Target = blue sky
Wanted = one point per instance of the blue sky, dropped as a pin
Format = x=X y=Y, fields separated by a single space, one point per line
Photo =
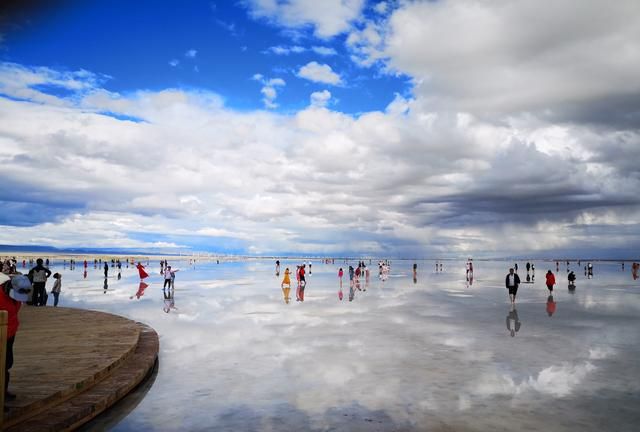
x=342 y=127
x=212 y=45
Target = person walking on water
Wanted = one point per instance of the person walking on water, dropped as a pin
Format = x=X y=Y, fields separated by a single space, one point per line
x=551 y=281
x=511 y=282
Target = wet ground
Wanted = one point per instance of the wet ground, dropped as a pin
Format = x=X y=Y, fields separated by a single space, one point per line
x=430 y=353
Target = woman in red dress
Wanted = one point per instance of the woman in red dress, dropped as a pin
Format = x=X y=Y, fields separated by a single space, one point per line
x=143 y=274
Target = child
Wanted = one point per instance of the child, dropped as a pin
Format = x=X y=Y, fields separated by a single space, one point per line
x=57 y=287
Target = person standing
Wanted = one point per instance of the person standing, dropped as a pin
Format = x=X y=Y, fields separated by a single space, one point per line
x=38 y=277
x=12 y=293
x=106 y=269
x=168 y=277
x=551 y=281
x=512 y=281
x=277 y=267
x=57 y=287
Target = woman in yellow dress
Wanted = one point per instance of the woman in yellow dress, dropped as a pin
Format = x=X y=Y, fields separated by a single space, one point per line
x=286 y=285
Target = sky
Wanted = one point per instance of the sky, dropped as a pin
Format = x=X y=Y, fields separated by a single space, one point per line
x=416 y=129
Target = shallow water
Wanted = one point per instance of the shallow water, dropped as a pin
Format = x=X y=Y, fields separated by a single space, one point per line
x=427 y=354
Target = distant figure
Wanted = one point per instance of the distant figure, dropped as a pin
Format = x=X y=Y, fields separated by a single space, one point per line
x=415 y=272
x=57 y=287
x=340 y=274
x=551 y=305
x=277 y=267
x=571 y=277
x=590 y=269
x=513 y=323
x=551 y=281
x=351 y=272
x=440 y=266
x=12 y=293
x=141 y=271
x=302 y=282
x=515 y=266
x=38 y=276
x=106 y=269
x=512 y=281
x=533 y=268
x=528 y=266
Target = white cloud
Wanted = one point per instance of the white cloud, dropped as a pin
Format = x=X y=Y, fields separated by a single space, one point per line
x=328 y=17
x=269 y=89
x=174 y=62
x=381 y=7
x=322 y=73
x=285 y=50
x=320 y=99
x=191 y=53
x=401 y=181
x=324 y=51
x=488 y=57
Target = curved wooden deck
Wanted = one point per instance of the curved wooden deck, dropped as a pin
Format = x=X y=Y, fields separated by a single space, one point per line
x=72 y=364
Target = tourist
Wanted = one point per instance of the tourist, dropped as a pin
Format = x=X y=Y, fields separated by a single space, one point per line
x=303 y=282
x=340 y=274
x=57 y=287
x=106 y=269
x=169 y=277
x=141 y=271
x=13 y=291
x=287 y=279
x=571 y=277
x=38 y=276
x=277 y=267
x=351 y=272
x=511 y=282
x=551 y=281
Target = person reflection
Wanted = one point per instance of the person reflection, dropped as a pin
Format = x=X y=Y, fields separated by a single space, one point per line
x=285 y=294
x=143 y=286
x=169 y=300
x=119 y=275
x=105 y=286
x=352 y=292
x=551 y=305
x=513 y=323
x=634 y=270
x=84 y=275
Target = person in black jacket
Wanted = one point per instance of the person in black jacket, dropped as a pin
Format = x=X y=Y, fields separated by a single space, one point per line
x=511 y=282
x=38 y=277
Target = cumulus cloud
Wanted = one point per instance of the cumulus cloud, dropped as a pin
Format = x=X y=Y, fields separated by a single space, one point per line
x=328 y=18
x=492 y=58
x=314 y=71
x=191 y=53
x=397 y=182
x=269 y=90
x=174 y=62
x=320 y=99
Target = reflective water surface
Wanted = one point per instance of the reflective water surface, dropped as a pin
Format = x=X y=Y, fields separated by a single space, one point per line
x=430 y=352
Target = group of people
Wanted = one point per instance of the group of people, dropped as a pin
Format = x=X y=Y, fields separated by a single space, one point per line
x=15 y=289
x=300 y=279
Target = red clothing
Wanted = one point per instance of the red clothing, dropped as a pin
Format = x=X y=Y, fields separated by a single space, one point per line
x=551 y=279
x=551 y=307
x=12 y=307
x=143 y=274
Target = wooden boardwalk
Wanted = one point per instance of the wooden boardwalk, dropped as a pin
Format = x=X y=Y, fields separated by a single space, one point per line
x=71 y=364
